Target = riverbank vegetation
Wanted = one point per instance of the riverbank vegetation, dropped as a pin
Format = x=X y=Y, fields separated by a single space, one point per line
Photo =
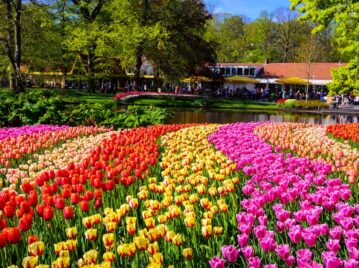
x=73 y=108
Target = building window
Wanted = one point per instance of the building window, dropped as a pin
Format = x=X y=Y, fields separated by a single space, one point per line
x=252 y=71
x=240 y=71
x=228 y=71
x=222 y=71
x=246 y=71
x=234 y=71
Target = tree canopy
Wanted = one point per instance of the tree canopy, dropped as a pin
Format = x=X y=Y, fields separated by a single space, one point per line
x=343 y=17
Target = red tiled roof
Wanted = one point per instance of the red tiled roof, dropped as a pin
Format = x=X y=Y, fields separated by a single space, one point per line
x=318 y=71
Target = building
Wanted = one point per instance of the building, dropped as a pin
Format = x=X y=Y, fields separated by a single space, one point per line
x=277 y=76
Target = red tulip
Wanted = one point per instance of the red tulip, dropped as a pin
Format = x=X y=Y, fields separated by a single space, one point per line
x=75 y=198
x=85 y=206
x=2 y=240
x=48 y=213
x=2 y=223
x=66 y=192
x=97 y=183
x=40 y=209
x=25 y=222
x=97 y=193
x=60 y=203
x=88 y=195
x=31 y=239
x=25 y=207
x=32 y=198
x=27 y=187
x=13 y=235
x=98 y=203
x=108 y=185
x=68 y=212
x=9 y=211
x=19 y=199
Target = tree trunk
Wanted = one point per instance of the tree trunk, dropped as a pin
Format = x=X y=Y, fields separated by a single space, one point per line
x=12 y=43
x=137 y=74
x=91 y=69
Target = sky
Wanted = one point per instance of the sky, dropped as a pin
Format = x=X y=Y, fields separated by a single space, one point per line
x=249 y=8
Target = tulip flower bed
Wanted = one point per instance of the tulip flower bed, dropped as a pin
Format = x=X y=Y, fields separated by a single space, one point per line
x=240 y=195
x=293 y=214
x=345 y=133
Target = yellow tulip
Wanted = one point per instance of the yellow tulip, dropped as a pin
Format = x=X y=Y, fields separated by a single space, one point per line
x=108 y=256
x=141 y=242
x=187 y=253
x=153 y=248
x=91 y=234
x=71 y=232
x=90 y=257
x=36 y=249
x=30 y=262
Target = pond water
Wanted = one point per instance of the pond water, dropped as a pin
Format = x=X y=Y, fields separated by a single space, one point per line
x=223 y=116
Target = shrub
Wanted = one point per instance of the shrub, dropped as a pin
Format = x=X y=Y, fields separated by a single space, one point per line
x=302 y=104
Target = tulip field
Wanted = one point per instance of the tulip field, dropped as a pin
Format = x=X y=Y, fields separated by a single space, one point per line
x=237 y=195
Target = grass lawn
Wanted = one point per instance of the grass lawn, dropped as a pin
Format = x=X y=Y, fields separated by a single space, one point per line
x=170 y=101
x=80 y=96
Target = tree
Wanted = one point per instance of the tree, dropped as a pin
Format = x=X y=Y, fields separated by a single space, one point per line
x=10 y=39
x=170 y=34
x=289 y=33
x=344 y=16
x=86 y=34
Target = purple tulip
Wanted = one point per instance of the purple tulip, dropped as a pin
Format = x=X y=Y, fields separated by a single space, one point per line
x=271 y=266
x=330 y=260
x=312 y=219
x=267 y=243
x=347 y=223
x=242 y=240
x=354 y=253
x=230 y=253
x=217 y=262
x=254 y=262
x=304 y=256
x=295 y=234
x=245 y=228
x=290 y=261
x=283 y=251
x=260 y=231
x=248 y=252
x=263 y=220
x=335 y=232
x=351 y=263
x=333 y=245
x=351 y=243
x=309 y=238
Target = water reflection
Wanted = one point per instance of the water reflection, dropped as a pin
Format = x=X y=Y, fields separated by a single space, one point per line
x=231 y=116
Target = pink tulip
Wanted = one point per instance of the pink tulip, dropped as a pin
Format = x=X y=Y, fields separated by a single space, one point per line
x=217 y=262
x=351 y=263
x=248 y=252
x=230 y=253
x=283 y=251
x=242 y=240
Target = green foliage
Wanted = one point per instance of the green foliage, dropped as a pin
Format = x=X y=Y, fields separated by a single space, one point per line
x=302 y=104
x=346 y=79
x=103 y=115
x=32 y=107
x=343 y=15
x=47 y=107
